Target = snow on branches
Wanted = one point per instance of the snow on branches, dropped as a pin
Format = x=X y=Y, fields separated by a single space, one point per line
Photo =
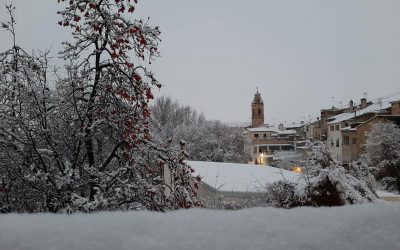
x=324 y=183
x=382 y=154
x=85 y=144
x=207 y=140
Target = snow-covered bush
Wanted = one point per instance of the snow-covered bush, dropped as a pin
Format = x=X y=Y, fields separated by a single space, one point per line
x=281 y=194
x=360 y=170
x=382 y=154
x=324 y=183
x=334 y=186
x=218 y=202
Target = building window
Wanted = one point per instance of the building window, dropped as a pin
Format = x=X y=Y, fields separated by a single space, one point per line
x=332 y=128
x=259 y=111
x=337 y=142
x=287 y=147
x=255 y=136
x=274 y=148
x=255 y=150
x=346 y=140
x=336 y=127
x=332 y=143
x=265 y=136
x=354 y=140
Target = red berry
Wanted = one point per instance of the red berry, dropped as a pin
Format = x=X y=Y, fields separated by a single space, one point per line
x=142 y=41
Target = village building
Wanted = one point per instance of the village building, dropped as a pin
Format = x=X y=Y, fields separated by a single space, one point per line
x=262 y=141
x=344 y=131
x=347 y=131
x=313 y=130
x=327 y=114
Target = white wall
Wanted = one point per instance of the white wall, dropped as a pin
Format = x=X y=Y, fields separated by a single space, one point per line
x=334 y=136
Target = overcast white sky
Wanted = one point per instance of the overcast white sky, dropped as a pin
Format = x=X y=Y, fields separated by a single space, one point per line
x=215 y=53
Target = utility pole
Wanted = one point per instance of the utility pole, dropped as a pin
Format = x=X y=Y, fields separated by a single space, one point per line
x=380 y=104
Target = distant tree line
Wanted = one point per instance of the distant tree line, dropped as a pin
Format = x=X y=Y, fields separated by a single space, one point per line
x=206 y=140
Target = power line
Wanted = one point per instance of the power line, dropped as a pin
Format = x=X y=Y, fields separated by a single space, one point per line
x=386 y=96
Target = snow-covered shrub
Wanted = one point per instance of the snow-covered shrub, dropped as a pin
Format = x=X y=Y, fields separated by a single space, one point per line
x=382 y=154
x=334 y=187
x=218 y=202
x=389 y=184
x=360 y=170
x=324 y=183
x=281 y=194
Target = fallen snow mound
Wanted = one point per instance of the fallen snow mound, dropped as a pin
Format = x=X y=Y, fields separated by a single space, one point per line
x=368 y=226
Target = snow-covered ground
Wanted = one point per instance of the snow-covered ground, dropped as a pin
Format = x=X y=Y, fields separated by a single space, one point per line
x=237 y=177
x=387 y=194
x=370 y=226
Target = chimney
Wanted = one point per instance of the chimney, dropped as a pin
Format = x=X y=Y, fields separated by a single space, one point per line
x=395 y=109
x=363 y=103
x=351 y=106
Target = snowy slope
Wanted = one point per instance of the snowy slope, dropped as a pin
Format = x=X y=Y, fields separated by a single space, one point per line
x=372 y=226
x=238 y=177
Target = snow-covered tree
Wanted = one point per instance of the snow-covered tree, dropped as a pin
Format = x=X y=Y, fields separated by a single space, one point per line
x=169 y=118
x=206 y=140
x=382 y=154
x=86 y=144
x=26 y=105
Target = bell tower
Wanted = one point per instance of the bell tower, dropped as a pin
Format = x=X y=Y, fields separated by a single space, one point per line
x=257 y=111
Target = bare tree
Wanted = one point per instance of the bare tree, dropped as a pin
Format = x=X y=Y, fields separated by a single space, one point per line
x=206 y=140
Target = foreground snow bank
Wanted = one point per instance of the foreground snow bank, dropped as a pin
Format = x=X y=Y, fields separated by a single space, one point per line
x=368 y=226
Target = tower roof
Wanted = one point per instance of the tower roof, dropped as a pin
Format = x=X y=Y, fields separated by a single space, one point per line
x=257 y=97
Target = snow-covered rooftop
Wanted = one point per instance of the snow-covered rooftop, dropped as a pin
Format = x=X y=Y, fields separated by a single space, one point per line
x=348 y=128
x=238 y=124
x=313 y=121
x=286 y=132
x=262 y=129
x=273 y=129
x=356 y=227
x=237 y=177
x=280 y=155
x=373 y=108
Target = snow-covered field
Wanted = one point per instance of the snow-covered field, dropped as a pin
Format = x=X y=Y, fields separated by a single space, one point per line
x=237 y=177
x=371 y=226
